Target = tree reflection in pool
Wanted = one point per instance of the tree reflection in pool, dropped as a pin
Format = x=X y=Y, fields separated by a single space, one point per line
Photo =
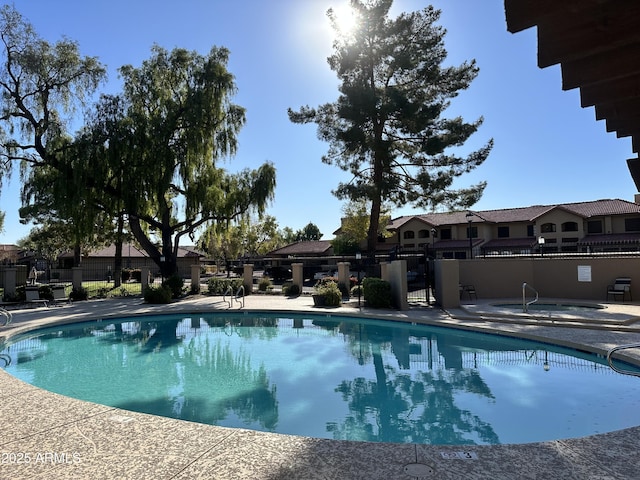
x=331 y=377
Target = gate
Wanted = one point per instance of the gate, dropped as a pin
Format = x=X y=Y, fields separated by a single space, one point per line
x=419 y=274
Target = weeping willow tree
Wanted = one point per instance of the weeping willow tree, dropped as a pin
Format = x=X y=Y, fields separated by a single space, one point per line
x=148 y=155
x=387 y=127
x=156 y=147
x=42 y=87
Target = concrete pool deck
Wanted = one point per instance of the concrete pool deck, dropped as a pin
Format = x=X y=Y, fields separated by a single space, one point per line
x=45 y=435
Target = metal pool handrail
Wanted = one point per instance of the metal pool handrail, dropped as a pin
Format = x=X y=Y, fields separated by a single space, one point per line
x=525 y=304
x=241 y=289
x=239 y=295
x=620 y=370
x=229 y=290
x=5 y=317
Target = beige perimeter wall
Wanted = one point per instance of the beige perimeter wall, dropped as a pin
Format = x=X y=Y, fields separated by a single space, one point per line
x=555 y=278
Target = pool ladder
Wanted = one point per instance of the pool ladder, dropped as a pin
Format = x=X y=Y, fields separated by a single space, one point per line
x=239 y=294
x=620 y=370
x=5 y=317
x=525 y=304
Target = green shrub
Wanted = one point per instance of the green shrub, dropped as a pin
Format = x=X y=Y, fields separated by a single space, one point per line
x=291 y=290
x=218 y=286
x=161 y=294
x=330 y=292
x=103 y=292
x=195 y=289
x=45 y=292
x=324 y=281
x=264 y=284
x=175 y=284
x=79 y=294
x=12 y=297
x=357 y=290
x=377 y=292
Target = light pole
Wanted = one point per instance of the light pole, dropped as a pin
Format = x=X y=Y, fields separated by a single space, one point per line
x=358 y=258
x=541 y=245
x=431 y=264
x=469 y=216
x=162 y=259
x=434 y=233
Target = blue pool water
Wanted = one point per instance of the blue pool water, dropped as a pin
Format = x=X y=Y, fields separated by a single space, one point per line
x=331 y=377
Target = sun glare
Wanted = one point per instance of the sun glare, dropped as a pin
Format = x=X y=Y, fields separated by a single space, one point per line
x=345 y=19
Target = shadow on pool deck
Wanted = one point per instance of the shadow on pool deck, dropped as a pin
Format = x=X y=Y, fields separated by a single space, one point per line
x=59 y=437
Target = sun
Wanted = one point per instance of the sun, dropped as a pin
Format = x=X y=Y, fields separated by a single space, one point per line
x=344 y=19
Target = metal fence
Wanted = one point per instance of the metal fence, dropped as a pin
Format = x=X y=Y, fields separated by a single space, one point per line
x=101 y=281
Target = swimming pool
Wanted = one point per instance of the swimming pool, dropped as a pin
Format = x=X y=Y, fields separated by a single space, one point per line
x=331 y=377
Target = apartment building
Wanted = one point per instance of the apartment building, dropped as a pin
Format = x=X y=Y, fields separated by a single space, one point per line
x=610 y=225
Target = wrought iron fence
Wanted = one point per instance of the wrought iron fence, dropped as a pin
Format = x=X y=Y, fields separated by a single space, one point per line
x=102 y=282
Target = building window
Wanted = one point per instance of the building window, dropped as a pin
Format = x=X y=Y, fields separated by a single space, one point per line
x=472 y=232
x=531 y=231
x=503 y=232
x=548 y=227
x=569 y=227
x=423 y=234
x=409 y=245
x=594 y=226
x=445 y=234
x=409 y=234
x=632 y=224
x=570 y=240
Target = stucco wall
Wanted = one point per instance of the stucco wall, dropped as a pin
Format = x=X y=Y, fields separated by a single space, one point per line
x=555 y=278
x=21 y=274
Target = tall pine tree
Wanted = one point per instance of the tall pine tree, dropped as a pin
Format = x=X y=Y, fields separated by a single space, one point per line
x=386 y=127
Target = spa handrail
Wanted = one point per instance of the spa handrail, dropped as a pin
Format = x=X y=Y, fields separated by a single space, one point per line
x=620 y=370
x=525 y=304
x=5 y=317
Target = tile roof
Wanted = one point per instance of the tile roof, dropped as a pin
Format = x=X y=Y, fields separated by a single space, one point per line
x=610 y=238
x=303 y=248
x=130 y=251
x=522 y=214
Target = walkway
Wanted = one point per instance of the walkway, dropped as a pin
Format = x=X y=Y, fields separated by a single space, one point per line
x=58 y=437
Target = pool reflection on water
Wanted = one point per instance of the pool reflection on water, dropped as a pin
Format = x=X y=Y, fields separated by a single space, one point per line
x=332 y=377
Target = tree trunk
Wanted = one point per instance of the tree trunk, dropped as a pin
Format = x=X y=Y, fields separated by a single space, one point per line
x=77 y=255
x=374 y=221
x=376 y=198
x=166 y=259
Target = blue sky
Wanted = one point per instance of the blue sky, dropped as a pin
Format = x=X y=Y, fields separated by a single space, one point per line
x=547 y=148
